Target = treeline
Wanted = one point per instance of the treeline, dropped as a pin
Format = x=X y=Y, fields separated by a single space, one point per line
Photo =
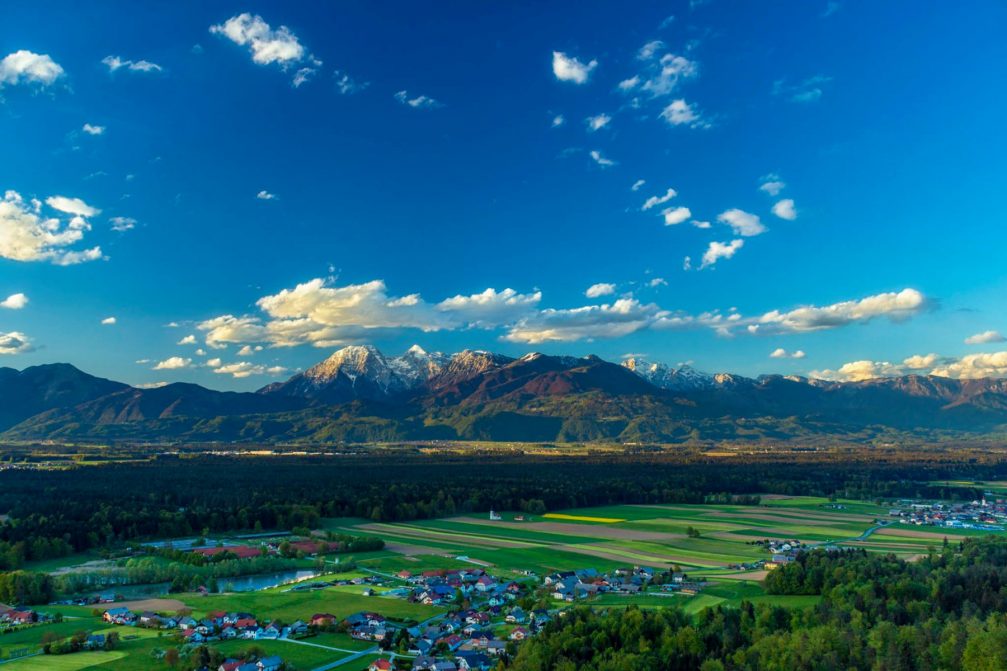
x=25 y=587
x=61 y=511
x=877 y=613
x=181 y=576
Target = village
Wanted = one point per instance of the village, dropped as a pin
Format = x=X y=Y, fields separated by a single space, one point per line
x=987 y=514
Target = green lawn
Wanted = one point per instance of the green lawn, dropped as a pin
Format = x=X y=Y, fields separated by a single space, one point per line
x=290 y=606
x=73 y=662
x=304 y=657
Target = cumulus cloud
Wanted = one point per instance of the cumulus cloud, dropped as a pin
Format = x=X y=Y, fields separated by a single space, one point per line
x=600 y=289
x=598 y=158
x=268 y=46
x=984 y=338
x=558 y=121
x=265 y=195
x=858 y=371
x=14 y=302
x=781 y=353
x=418 y=102
x=187 y=340
x=597 y=122
x=173 y=363
x=772 y=184
x=921 y=361
x=720 y=250
x=654 y=201
x=742 y=223
x=122 y=224
x=245 y=369
x=784 y=209
x=71 y=206
x=93 y=129
x=701 y=224
x=115 y=63
x=621 y=318
x=15 y=342
x=109 y=321
x=490 y=308
x=570 y=69
x=676 y=215
x=26 y=67
x=657 y=282
x=27 y=235
x=893 y=305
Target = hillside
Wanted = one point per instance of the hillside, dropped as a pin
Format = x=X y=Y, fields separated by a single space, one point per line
x=360 y=395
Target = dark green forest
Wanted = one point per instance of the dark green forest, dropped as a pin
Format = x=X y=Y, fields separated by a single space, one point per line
x=944 y=612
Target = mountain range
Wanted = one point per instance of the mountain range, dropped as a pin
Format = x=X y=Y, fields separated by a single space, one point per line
x=361 y=395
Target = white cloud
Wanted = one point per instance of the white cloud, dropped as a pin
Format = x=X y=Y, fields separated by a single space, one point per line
x=93 y=130
x=25 y=67
x=269 y=46
x=658 y=282
x=151 y=385
x=974 y=366
x=265 y=44
x=784 y=209
x=701 y=224
x=214 y=363
x=71 y=206
x=921 y=361
x=984 y=338
x=720 y=250
x=597 y=122
x=679 y=113
x=25 y=235
x=624 y=316
x=123 y=224
x=109 y=321
x=558 y=121
x=772 y=185
x=173 y=363
x=742 y=223
x=629 y=84
x=115 y=63
x=346 y=85
x=15 y=342
x=491 y=307
x=649 y=50
x=247 y=350
x=419 y=102
x=245 y=369
x=780 y=353
x=894 y=305
x=637 y=185
x=265 y=195
x=676 y=215
x=654 y=201
x=187 y=340
x=597 y=157
x=600 y=289
x=14 y=302
x=858 y=371
x=659 y=77
x=570 y=69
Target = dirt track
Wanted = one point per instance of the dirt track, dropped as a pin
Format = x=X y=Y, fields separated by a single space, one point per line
x=156 y=605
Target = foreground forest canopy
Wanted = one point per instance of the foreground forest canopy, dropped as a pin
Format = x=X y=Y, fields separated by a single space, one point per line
x=943 y=612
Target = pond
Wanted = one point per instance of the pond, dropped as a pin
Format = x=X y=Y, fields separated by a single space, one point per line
x=245 y=583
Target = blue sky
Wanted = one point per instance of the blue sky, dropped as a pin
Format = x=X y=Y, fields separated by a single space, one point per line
x=288 y=179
